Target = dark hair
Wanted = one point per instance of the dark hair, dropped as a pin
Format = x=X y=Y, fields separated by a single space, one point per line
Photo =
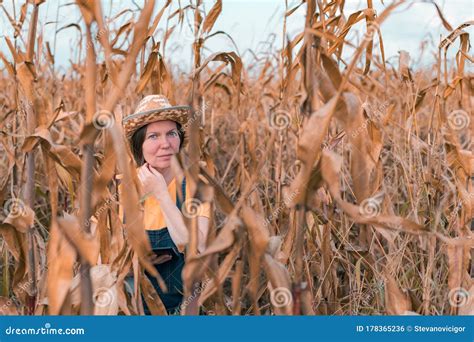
x=136 y=142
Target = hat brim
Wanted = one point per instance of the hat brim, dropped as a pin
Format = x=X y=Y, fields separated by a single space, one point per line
x=134 y=122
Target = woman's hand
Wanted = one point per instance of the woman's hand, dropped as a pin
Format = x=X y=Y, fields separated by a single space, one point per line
x=152 y=181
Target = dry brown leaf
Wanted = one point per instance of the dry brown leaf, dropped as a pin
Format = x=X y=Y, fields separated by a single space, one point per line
x=8 y=307
x=147 y=72
x=312 y=136
x=330 y=167
x=225 y=238
x=155 y=305
x=61 y=258
x=12 y=239
x=212 y=16
x=20 y=216
x=259 y=238
x=211 y=285
x=457 y=265
x=104 y=290
x=26 y=77
x=61 y=154
x=280 y=291
x=396 y=301
x=466 y=305
x=86 y=246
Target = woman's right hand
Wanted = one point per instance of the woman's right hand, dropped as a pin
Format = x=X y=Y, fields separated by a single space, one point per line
x=152 y=181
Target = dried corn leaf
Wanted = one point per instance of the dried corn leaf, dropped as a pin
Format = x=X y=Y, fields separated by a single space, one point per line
x=86 y=246
x=212 y=16
x=61 y=258
x=396 y=301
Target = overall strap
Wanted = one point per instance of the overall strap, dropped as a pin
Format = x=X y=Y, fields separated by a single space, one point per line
x=183 y=191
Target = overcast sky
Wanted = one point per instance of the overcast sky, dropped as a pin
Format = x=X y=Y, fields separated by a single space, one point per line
x=251 y=22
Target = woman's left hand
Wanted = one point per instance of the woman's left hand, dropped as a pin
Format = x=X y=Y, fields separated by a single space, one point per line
x=152 y=181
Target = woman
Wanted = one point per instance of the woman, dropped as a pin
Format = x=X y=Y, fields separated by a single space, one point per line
x=155 y=134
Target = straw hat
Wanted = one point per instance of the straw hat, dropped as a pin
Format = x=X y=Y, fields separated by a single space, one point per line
x=154 y=108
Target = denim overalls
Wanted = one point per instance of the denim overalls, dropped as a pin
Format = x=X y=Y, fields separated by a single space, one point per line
x=170 y=270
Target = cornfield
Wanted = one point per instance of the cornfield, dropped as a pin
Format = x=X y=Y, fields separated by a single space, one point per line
x=338 y=185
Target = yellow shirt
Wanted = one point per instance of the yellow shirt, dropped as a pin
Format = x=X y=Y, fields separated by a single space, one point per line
x=153 y=216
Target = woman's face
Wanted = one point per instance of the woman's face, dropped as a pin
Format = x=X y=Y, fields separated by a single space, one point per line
x=161 y=142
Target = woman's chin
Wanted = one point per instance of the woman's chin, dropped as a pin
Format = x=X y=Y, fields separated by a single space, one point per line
x=160 y=165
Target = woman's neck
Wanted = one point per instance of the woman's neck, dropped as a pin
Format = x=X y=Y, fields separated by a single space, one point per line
x=167 y=174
